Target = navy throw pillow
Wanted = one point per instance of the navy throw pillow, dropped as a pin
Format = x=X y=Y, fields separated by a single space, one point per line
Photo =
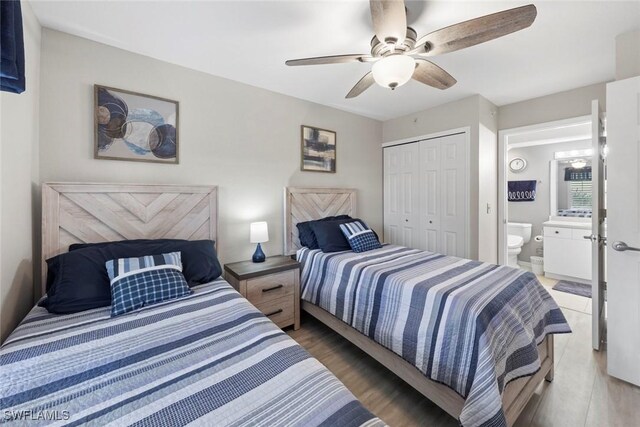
x=360 y=237
x=305 y=233
x=329 y=235
x=144 y=281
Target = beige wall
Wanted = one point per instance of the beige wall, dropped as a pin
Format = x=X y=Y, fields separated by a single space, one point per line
x=628 y=55
x=18 y=179
x=558 y=106
x=466 y=112
x=244 y=139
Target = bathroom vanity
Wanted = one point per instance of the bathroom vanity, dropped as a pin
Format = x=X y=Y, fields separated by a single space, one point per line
x=567 y=253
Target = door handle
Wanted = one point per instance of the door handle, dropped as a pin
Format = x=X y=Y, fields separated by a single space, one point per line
x=595 y=238
x=622 y=247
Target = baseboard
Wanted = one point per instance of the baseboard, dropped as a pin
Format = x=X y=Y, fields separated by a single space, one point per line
x=524 y=265
x=569 y=278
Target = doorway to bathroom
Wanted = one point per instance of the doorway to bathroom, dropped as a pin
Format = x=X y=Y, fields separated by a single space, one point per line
x=552 y=209
x=545 y=178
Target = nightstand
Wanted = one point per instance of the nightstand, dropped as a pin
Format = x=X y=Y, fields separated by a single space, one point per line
x=273 y=286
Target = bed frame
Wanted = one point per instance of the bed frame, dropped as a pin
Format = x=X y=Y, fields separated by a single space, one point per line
x=304 y=204
x=92 y=213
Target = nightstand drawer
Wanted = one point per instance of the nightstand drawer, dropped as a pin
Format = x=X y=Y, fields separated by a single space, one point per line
x=271 y=287
x=279 y=311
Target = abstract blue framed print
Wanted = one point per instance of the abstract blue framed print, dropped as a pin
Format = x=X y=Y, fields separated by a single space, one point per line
x=135 y=127
x=318 y=150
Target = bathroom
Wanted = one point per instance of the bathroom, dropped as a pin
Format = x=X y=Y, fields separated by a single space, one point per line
x=549 y=202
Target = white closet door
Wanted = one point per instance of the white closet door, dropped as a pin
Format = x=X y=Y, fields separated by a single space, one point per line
x=453 y=195
x=443 y=213
x=401 y=218
x=430 y=239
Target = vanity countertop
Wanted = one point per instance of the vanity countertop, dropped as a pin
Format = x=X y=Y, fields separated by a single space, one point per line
x=582 y=225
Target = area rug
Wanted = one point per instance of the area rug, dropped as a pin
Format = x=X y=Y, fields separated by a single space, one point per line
x=574 y=288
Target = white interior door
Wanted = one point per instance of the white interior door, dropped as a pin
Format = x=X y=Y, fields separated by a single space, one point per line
x=401 y=207
x=623 y=229
x=597 y=226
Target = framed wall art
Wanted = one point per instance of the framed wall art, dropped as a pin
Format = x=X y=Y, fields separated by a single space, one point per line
x=318 y=150
x=135 y=127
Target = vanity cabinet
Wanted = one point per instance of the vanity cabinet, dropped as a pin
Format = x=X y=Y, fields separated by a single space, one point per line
x=567 y=254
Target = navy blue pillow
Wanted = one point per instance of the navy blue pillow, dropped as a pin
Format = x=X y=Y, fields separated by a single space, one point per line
x=199 y=258
x=329 y=235
x=305 y=233
x=78 y=280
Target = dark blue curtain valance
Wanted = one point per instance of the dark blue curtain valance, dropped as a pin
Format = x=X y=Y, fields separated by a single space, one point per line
x=12 y=77
x=577 y=174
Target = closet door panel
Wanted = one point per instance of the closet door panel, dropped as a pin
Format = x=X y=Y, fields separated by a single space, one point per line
x=392 y=194
x=453 y=195
x=431 y=240
x=430 y=183
x=401 y=205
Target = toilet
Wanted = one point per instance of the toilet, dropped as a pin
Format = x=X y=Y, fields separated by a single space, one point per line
x=517 y=235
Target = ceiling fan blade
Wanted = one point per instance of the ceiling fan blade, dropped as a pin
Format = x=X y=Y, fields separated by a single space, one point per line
x=334 y=59
x=430 y=74
x=475 y=31
x=389 y=20
x=365 y=83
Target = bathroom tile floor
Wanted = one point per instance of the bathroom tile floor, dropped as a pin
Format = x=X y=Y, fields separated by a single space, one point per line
x=565 y=300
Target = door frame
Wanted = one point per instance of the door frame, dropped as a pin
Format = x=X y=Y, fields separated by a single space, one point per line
x=504 y=136
x=466 y=130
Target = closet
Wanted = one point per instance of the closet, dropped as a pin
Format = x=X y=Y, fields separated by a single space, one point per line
x=426 y=194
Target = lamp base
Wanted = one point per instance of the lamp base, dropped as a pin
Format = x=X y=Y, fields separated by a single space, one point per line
x=258 y=255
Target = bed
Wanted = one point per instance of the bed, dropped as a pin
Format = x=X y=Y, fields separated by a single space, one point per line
x=210 y=358
x=475 y=338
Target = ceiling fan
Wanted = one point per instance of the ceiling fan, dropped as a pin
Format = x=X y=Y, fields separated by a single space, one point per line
x=399 y=55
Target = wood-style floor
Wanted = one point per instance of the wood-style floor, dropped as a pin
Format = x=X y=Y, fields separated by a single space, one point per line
x=582 y=394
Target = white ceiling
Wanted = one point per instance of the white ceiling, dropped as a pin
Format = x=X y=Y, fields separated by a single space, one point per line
x=571 y=44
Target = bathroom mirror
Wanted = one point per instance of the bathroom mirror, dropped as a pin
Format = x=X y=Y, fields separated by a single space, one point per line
x=570 y=185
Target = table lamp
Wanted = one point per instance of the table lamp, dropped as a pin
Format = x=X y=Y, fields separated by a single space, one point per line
x=259 y=234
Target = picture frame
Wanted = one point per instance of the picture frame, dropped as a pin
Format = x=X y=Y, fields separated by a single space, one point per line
x=136 y=127
x=318 y=149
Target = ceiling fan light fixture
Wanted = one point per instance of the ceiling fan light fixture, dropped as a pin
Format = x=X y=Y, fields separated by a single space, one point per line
x=394 y=70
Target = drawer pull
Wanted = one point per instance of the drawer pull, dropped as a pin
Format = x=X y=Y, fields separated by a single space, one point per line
x=273 y=288
x=278 y=311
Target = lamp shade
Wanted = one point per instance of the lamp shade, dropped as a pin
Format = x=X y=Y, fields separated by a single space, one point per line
x=394 y=70
x=259 y=232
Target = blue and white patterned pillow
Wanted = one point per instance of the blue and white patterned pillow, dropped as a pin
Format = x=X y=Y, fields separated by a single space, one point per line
x=138 y=282
x=360 y=237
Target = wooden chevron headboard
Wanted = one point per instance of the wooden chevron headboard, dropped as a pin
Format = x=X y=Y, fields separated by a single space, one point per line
x=306 y=204
x=91 y=213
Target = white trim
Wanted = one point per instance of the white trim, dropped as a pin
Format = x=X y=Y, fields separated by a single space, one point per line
x=455 y=131
x=503 y=158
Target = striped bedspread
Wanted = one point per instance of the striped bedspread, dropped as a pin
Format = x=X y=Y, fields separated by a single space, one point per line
x=208 y=359
x=470 y=325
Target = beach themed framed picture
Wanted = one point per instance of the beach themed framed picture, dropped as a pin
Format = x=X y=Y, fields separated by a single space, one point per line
x=135 y=127
x=318 y=150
